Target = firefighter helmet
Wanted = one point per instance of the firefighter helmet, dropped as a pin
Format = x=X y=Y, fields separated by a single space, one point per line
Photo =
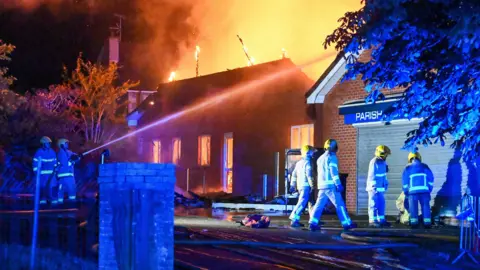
x=382 y=151
x=331 y=145
x=45 y=139
x=62 y=142
x=413 y=155
x=306 y=150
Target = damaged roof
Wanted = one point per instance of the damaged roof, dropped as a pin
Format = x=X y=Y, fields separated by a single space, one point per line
x=185 y=92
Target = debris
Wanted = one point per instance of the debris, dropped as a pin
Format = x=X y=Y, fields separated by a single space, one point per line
x=256 y=221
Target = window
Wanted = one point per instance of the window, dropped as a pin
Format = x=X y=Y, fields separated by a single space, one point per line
x=301 y=135
x=204 y=150
x=157 y=151
x=177 y=150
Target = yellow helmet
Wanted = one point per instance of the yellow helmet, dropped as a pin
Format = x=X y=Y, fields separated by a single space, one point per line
x=413 y=155
x=62 y=142
x=305 y=150
x=331 y=145
x=45 y=139
x=382 y=151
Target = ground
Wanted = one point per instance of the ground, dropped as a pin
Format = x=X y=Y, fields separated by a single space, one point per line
x=436 y=248
x=278 y=247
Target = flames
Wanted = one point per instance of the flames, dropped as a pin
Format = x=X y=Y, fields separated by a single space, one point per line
x=172 y=76
x=271 y=30
x=197 y=52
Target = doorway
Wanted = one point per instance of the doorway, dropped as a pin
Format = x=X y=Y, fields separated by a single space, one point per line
x=227 y=173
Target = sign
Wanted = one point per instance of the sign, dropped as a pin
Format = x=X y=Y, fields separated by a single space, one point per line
x=363 y=117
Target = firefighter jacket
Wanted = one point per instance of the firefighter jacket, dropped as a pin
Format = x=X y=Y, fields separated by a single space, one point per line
x=65 y=164
x=417 y=178
x=327 y=171
x=48 y=158
x=377 y=175
x=302 y=175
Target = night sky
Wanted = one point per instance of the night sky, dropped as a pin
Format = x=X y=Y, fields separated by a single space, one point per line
x=47 y=37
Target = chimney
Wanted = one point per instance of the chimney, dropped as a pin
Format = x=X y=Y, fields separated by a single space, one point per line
x=114 y=49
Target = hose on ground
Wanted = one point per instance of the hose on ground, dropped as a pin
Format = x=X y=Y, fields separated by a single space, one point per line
x=383 y=237
x=291 y=246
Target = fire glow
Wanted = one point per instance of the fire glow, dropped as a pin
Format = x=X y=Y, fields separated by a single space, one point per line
x=215 y=100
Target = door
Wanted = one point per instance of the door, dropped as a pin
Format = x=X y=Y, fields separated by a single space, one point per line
x=450 y=174
x=227 y=173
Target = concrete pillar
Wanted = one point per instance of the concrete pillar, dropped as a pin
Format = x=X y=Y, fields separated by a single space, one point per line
x=136 y=216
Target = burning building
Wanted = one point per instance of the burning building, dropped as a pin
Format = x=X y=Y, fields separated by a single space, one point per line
x=230 y=144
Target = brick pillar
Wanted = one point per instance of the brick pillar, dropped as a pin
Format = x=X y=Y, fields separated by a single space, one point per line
x=136 y=216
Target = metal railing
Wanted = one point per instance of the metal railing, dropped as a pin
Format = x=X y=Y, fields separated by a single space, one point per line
x=188 y=177
x=70 y=228
x=469 y=227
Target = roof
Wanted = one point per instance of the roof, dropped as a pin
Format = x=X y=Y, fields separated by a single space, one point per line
x=329 y=78
x=178 y=94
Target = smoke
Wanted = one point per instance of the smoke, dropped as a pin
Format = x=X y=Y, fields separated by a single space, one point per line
x=162 y=34
x=30 y=5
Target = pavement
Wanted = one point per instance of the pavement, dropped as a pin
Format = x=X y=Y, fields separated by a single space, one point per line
x=233 y=246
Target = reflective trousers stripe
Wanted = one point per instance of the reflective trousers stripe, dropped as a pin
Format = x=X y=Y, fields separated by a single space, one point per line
x=65 y=174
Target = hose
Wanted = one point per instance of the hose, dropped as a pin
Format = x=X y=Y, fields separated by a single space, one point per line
x=382 y=237
x=291 y=246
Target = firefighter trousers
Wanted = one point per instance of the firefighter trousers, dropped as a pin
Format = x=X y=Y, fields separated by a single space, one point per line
x=47 y=184
x=336 y=198
x=67 y=186
x=424 y=200
x=303 y=197
x=376 y=207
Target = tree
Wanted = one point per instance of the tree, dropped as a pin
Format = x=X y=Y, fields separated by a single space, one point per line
x=430 y=48
x=91 y=95
x=5 y=51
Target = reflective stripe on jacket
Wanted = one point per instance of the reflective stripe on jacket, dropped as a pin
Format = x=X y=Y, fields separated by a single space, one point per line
x=417 y=178
x=327 y=171
x=377 y=175
x=65 y=166
x=49 y=160
x=302 y=175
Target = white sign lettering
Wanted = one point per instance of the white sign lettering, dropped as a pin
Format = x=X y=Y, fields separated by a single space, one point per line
x=368 y=116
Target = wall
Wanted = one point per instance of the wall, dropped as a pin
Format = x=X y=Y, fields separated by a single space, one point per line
x=136 y=210
x=332 y=126
x=260 y=121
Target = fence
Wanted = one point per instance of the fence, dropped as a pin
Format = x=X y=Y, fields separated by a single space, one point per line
x=469 y=227
x=69 y=228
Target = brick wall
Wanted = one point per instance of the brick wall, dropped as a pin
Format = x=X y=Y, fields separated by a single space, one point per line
x=136 y=210
x=333 y=127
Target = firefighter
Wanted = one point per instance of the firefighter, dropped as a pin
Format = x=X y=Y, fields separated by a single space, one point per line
x=377 y=185
x=417 y=181
x=329 y=187
x=65 y=172
x=48 y=159
x=302 y=180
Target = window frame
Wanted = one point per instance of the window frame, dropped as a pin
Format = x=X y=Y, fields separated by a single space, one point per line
x=159 y=153
x=200 y=150
x=311 y=135
x=179 y=150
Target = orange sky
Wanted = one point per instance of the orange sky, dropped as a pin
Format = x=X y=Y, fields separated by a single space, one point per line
x=266 y=26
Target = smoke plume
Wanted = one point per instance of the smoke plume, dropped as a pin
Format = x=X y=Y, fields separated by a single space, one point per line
x=163 y=34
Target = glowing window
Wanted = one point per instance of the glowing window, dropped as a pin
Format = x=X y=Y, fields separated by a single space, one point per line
x=204 y=150
x=301 y=135
x=177 y=150
x=157 y=151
